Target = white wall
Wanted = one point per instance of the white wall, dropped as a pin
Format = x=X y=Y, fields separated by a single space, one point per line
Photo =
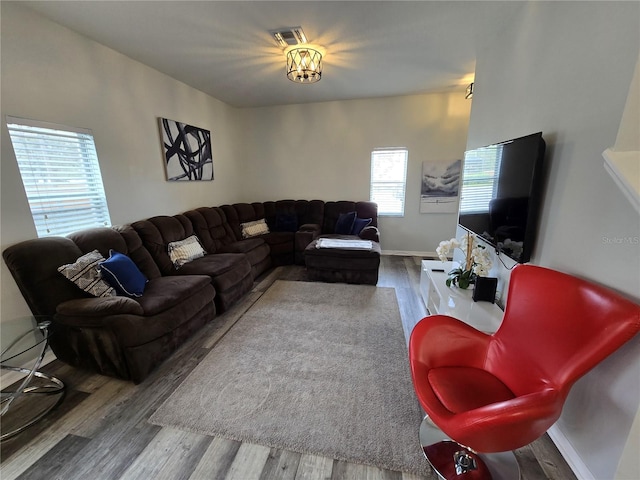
x=52 y=74
x=564 y=68
x=323 y=151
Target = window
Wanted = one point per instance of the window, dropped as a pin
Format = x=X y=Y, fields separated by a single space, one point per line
x=388 y=180
x=61 y=176
x=480 y=179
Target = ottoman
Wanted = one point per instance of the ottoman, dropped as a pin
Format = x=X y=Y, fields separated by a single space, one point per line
x=344 y=259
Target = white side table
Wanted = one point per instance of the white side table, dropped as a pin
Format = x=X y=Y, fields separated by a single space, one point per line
x=454 y=301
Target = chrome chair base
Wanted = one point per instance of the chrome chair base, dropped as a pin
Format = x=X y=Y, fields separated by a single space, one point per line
x=452 y=461
x=47 y=386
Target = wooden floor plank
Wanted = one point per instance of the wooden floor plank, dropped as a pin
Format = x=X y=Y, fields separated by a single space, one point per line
x=412 y=310
x=96 y=461
x=547 y=455
x=411 y=476
x=249 y=462
x=84 y=413
x=281 y=465
x=19 y=452
x=50 y=464
x=395 y=273
x=217 y=460
x=172 y=455
x=353 y=471
x=314 y=467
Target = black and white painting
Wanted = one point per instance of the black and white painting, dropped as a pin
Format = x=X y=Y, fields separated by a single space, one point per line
x=187 y=151
x=440 y=187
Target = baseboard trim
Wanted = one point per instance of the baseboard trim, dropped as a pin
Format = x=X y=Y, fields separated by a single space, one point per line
x=8 y=377
x=570 y=454
x=407 y=253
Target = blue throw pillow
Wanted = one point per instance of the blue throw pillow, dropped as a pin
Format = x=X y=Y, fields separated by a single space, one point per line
x=345 y=223
x=122 y=274
x=286 y=222
x=359 y=224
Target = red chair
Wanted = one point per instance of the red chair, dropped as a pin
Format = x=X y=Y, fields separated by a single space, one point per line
x=496 y=393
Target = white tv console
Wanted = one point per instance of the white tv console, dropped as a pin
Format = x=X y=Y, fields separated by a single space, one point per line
x=454 y=301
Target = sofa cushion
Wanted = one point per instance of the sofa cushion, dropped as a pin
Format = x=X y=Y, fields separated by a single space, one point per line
x=212 y=227
x=163 y=293
x=156 y=234
x=137 y=252
x=85 y=274
x=243 y=246
x=217 y=265
x=230 y=275
x=184 y=251
x=305 y=211
x=123 y=275
x=286 y=222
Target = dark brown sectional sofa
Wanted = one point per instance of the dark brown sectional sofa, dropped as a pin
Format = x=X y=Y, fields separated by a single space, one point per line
x=127 y=337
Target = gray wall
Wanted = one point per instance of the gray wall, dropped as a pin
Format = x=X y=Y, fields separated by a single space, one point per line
x=564 y=68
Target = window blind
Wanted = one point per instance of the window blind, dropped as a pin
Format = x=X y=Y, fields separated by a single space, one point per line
x=388 y=180
x=61 y=176
x=480 y=179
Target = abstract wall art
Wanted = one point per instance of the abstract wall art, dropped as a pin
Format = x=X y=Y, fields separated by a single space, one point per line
x=187 y=151
x=440 y=187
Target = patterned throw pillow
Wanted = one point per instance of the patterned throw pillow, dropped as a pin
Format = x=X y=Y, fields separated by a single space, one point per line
x=186 y=250
x=255 y=228
x=84 y=273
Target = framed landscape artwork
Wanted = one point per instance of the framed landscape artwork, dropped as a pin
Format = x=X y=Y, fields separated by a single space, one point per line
x=187 y=151
x=440 y=187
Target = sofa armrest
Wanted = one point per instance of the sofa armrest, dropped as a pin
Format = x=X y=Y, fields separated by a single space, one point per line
x=370 y=233
x=99 y=307
x=306 y=234
x=305 y=237
x=310 y=227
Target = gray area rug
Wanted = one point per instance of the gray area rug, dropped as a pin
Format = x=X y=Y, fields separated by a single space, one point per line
x=313 y=368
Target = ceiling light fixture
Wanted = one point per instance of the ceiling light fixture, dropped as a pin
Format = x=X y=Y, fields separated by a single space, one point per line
x=304 y=64
x=469 y=91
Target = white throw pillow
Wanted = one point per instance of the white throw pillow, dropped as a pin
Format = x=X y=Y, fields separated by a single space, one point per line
x=255 y=228
x=186 y=250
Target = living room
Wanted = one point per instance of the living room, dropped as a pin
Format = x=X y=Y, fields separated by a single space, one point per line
x=564 y=69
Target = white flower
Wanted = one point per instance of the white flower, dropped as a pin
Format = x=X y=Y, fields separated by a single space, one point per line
x=444 y=248
x=477 y=257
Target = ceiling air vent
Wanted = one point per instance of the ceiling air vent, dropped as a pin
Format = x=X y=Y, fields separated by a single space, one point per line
x=289 y=36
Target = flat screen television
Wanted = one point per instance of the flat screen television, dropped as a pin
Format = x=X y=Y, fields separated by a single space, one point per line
x=501 y=194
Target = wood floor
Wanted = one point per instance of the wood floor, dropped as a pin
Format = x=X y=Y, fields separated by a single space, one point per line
x=100 y=431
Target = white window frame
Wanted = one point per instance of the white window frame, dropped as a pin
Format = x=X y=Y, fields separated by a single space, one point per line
x=480 y=179
x=61 y=176
x=388 y=184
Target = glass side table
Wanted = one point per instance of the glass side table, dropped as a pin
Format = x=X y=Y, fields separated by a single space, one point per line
x=32 y=393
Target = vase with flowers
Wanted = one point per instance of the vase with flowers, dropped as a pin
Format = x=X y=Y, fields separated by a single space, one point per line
x=476 y=263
